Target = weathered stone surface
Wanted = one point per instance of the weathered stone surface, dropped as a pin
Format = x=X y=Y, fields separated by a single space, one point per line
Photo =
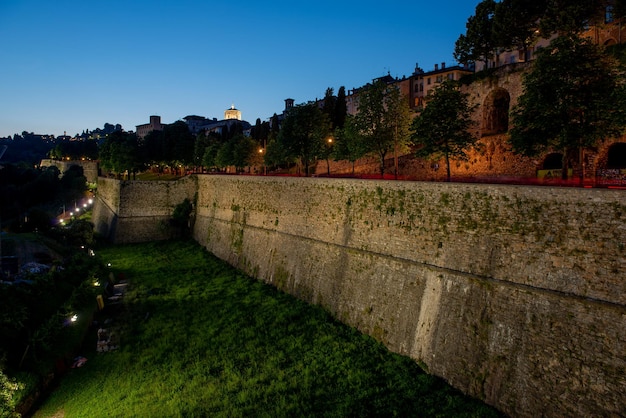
x=515 y=295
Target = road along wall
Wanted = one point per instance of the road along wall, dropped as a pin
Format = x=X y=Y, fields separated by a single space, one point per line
x=516 y=295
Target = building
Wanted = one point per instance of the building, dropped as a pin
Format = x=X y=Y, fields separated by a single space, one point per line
x=232 y=113
x=423 y=83
x=145 y=129
x=232 y=116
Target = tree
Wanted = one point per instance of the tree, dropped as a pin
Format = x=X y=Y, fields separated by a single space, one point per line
x=329 y=105
x=442 y=128
x=382 y=120
x=341 y=108
x=570 y=16
x=244 y=150
x=478 y=42
x=178 y=143
x=515 y=23
x=119 y=152
x=349 y=144
x=303 y=132
x=573 y=97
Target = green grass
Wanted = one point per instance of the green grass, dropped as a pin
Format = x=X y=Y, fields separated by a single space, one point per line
x=199 y=339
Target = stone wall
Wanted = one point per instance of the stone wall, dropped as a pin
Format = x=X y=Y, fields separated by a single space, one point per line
x=139 y=211
x=90 y=168
x=515 y=295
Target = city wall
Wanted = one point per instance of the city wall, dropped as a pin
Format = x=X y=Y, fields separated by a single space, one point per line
x=515 y=295
x=90 y=168
x=138 y=211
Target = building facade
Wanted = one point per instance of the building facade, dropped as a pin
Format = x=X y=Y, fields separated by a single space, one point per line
x=145 y=129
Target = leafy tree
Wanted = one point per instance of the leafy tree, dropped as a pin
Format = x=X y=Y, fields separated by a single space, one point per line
x=341 y=109
x=244 y=151
x=570 y=16
x=349 y=143
x=179 y=143
x=173 y=146
x=181 y=216
x=382 y=120
x=515 y=23
x=478 y=42
x=210 y=155
x=199 y=148
x=225 y=155
x=275 y=153
x=303 y=133
x=119 y=152
x=8 y=390
x=329 y=105
x=573 y=97
x=442 y=128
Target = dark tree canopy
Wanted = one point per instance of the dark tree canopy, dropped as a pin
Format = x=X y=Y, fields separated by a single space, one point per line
x=341 y=108
x=303 y=133
x=573 y=97
x=383 y=120
x=348 y=142
x=515 y=23
x=442 y=128
x=119 y=152
x=478 y=42
x=570 y=16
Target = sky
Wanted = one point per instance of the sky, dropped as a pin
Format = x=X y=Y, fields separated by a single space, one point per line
x=68 y=66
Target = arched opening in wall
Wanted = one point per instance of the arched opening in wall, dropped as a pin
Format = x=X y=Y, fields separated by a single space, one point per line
x=616 y=156
x=610 y=42
x=496 y=112
x=553 y=161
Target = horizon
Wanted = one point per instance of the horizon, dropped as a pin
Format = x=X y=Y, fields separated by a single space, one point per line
x=72 y=66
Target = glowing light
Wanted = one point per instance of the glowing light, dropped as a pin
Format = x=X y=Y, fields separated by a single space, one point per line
x=74 y=318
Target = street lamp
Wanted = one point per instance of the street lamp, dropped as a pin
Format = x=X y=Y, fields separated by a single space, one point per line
x=329 y=141
x=261 y=151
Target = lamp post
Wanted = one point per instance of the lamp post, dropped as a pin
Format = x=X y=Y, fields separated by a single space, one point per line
x=330 y=146
x=261 y=151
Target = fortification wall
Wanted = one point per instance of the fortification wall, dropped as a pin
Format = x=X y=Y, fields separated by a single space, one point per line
x=139 y=211
x=515 y=295
x=90 y=168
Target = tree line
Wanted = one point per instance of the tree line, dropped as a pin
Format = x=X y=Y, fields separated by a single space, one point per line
x=573 y=97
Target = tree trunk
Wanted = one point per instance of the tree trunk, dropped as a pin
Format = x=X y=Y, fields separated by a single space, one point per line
x=564 y=164
x=448 y=176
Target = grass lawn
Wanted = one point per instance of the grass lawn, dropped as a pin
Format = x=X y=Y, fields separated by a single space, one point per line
x=198 y=339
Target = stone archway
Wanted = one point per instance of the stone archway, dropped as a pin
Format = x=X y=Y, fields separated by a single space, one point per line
x=553 y=161
x=496 y=112
x=616 y=156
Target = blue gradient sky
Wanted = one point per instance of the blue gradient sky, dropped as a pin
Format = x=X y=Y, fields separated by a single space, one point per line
x=74 y=65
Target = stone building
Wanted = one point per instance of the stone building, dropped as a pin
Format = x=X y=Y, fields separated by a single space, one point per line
x=146 y=128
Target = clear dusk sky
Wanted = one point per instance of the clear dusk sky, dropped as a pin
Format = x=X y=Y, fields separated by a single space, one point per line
x=67 y=66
